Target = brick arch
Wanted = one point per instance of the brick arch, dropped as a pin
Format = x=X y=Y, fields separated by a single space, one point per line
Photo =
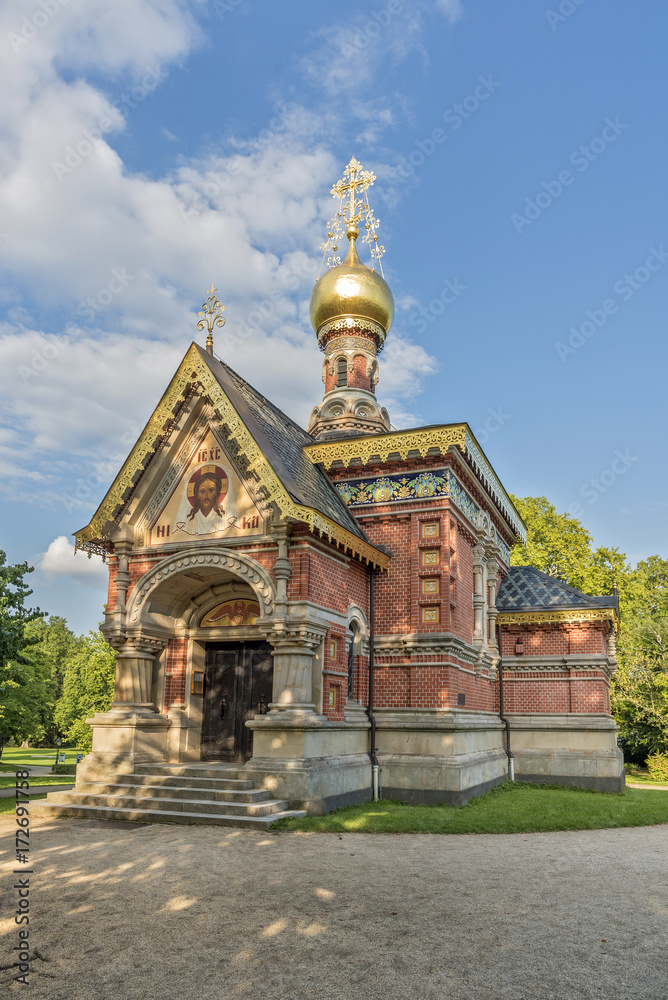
x=239 y=565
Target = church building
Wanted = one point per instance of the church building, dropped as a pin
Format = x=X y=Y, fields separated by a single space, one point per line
x=304 y=619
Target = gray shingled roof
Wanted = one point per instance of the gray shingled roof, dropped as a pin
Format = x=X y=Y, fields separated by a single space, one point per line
x=282 y=441
x=525 y=588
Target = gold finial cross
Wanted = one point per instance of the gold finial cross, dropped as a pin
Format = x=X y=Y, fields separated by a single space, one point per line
x=358 y=180
x=210 y=315
x=353 y=187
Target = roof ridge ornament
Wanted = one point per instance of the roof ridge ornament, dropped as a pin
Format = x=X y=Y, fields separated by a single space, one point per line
x=210 y=315
x=354 y=210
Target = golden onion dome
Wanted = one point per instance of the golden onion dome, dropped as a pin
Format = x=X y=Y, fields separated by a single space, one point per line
x=351 y=290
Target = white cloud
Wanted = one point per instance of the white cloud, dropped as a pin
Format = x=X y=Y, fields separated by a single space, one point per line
x=347 y=58
x=403 y=367
x=451 y=8
x=123 y=261
x=59 y=561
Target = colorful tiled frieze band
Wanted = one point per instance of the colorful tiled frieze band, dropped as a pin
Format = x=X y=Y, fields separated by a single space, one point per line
x=394 y=489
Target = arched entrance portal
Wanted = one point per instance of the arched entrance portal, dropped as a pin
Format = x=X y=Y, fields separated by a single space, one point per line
x=215 y=671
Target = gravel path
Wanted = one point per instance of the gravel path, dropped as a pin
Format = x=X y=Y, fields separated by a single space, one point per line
x=123 y=911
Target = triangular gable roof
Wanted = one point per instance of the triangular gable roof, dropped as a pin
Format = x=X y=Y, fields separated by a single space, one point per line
x=526 y=594
x=271 y=441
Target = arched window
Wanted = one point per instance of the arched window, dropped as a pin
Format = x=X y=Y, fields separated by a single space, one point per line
x=341 y=372
x=354 y=633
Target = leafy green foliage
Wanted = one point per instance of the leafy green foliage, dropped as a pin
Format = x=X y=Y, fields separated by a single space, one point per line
x=560 y=546
x=21 y=681
x=657 y=766
x=88 y=687
x=556 y=543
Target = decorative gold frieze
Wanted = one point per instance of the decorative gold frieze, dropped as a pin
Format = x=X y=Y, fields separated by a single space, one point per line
x=546 y=617
x=384 y=445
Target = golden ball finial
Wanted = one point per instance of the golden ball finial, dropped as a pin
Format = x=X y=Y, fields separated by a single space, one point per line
x=351 y=291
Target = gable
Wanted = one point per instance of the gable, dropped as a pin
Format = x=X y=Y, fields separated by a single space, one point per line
x=268 y=450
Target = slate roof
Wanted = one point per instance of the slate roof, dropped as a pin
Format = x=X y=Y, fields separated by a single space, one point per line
x=282 y=441
x=527 y=589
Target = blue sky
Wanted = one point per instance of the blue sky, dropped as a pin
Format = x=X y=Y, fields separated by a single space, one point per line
x=151 y=147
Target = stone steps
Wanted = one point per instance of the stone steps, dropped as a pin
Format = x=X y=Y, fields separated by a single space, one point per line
x=161 y=815
x=172 y=781
x=137 y=789
x=176 y=794
x=120 y=801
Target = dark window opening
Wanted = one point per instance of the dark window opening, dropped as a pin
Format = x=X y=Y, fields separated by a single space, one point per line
x=342 y=372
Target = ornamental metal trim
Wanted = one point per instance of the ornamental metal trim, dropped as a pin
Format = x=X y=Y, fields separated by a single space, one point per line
x=546 y=617
x=422 y=440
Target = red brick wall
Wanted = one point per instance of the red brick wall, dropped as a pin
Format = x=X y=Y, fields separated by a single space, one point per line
x=581 y=691
x=175 y=671
x=555 y=640
x=112 y=563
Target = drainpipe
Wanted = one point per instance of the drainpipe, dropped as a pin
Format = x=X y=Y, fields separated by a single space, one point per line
x=375 y=769
x=509 y=753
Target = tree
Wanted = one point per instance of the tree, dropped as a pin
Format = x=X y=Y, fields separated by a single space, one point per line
x=52 y=642
x=88 y=687
x=560 y=546
x=640 y=687
x=557 y=544
x=22 y=685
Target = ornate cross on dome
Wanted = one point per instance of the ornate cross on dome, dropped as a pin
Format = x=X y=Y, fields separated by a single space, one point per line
x=353 y=210
x=210 y=315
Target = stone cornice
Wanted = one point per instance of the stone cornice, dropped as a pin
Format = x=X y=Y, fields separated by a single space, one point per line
x=558 y=664
x=425 y=644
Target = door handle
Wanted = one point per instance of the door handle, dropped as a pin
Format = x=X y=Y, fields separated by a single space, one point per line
x=223 y=706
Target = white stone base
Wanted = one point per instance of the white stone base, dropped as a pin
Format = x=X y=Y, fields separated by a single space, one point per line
x=578 y=750
x=312 y=763
x=122 y=739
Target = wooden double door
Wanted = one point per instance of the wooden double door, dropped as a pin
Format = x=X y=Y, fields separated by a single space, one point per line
x=237 y=686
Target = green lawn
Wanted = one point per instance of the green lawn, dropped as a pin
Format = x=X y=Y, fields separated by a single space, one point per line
x=509 y=808
x=9 y=804
x=14 y=757
x=41 y=779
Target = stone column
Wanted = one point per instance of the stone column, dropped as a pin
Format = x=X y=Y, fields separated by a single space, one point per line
x=132 y=731
x=294 y=645
x=478 y=595
x=134 y=671
x=492 y=612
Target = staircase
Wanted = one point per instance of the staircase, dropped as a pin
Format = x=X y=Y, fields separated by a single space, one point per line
x=195 y=793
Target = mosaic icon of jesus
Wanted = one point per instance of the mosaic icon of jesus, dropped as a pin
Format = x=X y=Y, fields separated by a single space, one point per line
x=208 y=506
